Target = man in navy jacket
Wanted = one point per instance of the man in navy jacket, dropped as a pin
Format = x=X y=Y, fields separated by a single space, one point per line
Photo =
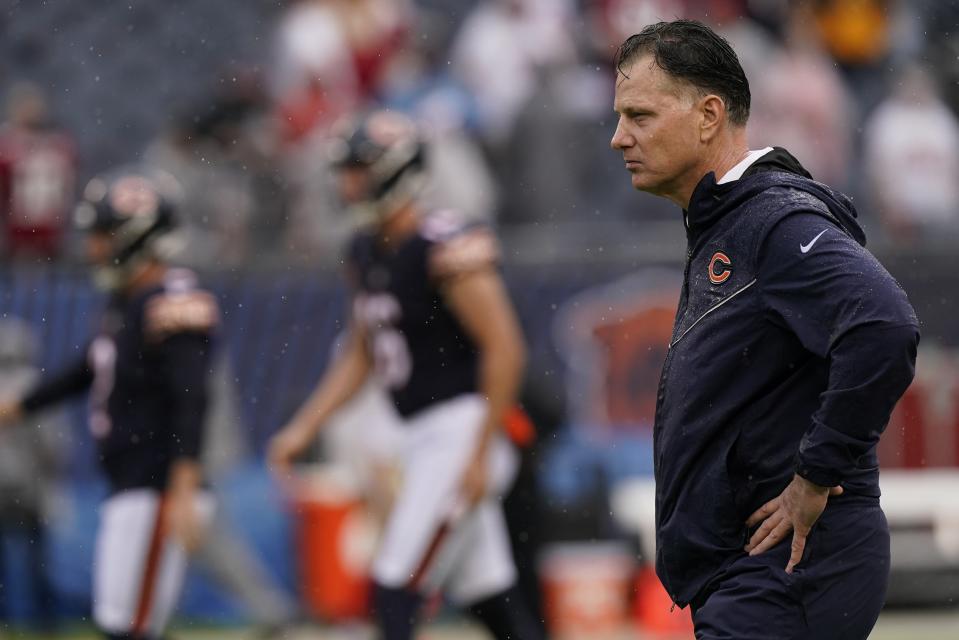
x=791 y=346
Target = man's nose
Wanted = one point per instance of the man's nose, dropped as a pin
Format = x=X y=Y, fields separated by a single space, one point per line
x=621 y=140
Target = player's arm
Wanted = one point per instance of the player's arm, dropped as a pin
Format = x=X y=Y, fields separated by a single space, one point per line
x=183 y=486
x=181 y=326
x=73 y=380
x=187 y=358
x=475 y=293
x=481 y=304
x=340 y=383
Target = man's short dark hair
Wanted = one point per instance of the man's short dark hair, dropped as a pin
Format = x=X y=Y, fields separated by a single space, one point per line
x=693 y=52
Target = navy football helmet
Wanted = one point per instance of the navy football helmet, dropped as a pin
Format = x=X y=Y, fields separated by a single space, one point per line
x=388 y=146
x=135 y=210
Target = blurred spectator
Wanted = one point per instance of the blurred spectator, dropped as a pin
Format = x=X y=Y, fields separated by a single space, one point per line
x=555 y=168
x=29 y=459
x=855 y=32
x=330 y=53
x=610 y=22
x=314 y=80
x=224 y=157
x=375 y=30
x=417 y=82
x=330 y=61
x=217 y=201
x=942 y=47
x=245 y=140
x=460 y=177
x=499 y=50
x=753 y=43
x=316 y=226
x=37 y=175
x=801 y=103
x=912 y=160
x=864 y=37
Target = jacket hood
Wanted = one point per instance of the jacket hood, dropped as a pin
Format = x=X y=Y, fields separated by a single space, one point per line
x=778 y=168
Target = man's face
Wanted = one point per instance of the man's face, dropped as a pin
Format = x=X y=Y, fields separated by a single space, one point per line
x=658 y=131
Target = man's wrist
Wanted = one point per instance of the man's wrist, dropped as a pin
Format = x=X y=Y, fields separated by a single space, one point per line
x=822 y=476
x=810 y=486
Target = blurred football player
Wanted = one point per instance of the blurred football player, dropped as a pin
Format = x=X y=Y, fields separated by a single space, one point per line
x=431 y=319
x=146 y=374
x=30 y=462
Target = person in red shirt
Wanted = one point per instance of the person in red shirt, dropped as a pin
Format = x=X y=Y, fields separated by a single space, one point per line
x=37 y=174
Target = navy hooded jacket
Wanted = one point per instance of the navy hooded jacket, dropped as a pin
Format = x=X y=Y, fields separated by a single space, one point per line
x=790 y=348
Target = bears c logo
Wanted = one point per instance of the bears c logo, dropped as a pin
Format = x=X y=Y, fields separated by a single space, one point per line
x=719 y=270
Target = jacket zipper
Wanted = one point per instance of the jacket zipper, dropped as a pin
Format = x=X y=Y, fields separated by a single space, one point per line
x=681 y=309
x=711 y=309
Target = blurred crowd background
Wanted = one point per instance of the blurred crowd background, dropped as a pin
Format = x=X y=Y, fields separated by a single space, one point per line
x=238 y=98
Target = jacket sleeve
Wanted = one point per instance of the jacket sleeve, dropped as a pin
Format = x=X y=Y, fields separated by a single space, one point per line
x=73 y=380
x=844 y=307
x=186 y=357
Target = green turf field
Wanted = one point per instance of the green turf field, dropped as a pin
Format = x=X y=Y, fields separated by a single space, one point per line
x=898 y=625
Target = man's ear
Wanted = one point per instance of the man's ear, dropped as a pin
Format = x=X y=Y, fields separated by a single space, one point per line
x=713 y=111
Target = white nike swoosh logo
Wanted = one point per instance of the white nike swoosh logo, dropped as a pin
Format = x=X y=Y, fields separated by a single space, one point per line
x=806 y=247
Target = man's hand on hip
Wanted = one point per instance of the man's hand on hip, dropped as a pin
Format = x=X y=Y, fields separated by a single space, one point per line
x=796 y=509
